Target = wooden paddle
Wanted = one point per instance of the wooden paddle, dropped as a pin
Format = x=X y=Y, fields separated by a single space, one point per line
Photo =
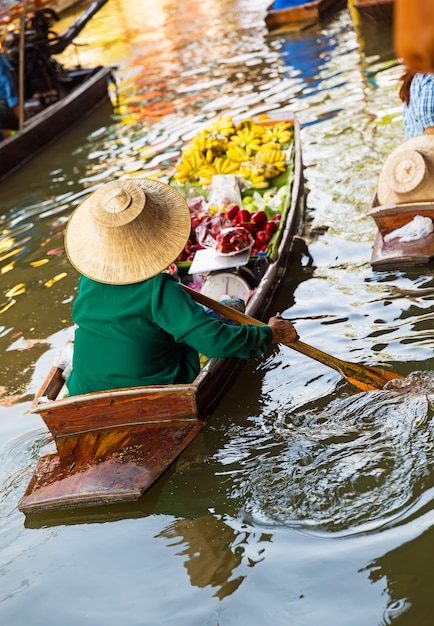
x=364 y=377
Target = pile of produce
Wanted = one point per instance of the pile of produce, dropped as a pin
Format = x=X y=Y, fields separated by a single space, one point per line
x=261 y=158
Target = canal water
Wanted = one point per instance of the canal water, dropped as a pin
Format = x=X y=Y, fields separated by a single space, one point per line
x=303 y=501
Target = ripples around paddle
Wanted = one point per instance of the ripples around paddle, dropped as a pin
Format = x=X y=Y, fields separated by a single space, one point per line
x=361 y=462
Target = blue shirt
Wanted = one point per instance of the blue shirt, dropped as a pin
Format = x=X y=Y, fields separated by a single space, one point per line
x=7 y=89
x=419 y=114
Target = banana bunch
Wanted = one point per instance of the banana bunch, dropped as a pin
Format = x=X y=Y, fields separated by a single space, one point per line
x=251 y=125
x=254 y=173
x=218 y=166
x=246 y=150
x=273 y=160
x=209 y=145
x=222 y=127
x=280 y=133
x=192 y=164
x=247 y=139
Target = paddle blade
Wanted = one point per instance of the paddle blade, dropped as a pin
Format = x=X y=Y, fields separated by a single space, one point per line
x=364 y=377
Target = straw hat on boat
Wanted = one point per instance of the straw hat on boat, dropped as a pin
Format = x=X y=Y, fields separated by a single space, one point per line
x=127 y=231
x=408 y=173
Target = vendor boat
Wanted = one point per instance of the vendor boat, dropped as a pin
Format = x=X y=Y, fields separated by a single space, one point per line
x=111 y=446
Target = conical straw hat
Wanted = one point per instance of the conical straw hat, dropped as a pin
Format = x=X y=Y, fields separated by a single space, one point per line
x=127 y=231
x=408 y=173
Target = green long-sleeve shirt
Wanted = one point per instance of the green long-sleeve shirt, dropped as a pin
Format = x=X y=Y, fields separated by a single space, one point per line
x=148 y=333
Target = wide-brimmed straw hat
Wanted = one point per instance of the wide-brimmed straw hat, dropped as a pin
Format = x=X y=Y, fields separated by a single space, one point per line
x=408 y=173
x=127 y=231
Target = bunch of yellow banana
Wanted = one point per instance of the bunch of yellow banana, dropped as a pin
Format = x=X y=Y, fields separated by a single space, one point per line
x=251 y=125
x=220 y=165
x=270 y=155
x=281 y=133
x=223 y=126
x=192 y=162
x=209 y=145
x=237 y=154
x=246 y=150
x=247 y=139
x=254 y=173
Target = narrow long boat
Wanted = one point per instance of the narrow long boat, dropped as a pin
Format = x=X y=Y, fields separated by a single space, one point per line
x=301 y=16
x=68 y=95
x=395 y=253
x=374 y=10
x=110 y=446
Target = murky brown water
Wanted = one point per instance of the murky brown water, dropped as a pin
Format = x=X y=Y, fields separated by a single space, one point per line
x=303 y=502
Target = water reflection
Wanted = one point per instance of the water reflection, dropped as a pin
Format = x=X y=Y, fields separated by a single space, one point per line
x=406 y=573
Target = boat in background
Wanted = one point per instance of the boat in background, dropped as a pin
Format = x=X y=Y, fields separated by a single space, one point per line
x=55 y=97
x=377 y=11
x=396 y=253
x=110 y=446
x=11 y=10
x=302 y=16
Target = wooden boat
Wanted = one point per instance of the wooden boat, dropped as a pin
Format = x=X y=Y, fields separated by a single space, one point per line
x=11 y=9
x=373 y=10
x=396 y=253
x=67 y=96
x=300 y=17
x=110 y=446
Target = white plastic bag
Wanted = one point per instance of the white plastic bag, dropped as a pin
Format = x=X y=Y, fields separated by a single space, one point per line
x=416 y=229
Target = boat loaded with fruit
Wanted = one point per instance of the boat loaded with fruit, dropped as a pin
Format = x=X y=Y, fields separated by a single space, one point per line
x=243 y=182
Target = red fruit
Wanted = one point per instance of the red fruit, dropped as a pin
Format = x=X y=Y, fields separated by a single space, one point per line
x=271 y=227
x=259 y=217
x=195 y=221
x=243 y=216
x=249 y=226
x=262 y=238
x=276 y=218
x=232 y=211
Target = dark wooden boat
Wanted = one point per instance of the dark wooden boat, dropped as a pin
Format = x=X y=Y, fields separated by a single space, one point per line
x=58 y=97
x=374 y=10
x=111 y=446
x=396 y=253
x=300 y=17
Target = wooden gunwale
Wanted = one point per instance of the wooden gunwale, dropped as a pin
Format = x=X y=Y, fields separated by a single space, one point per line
x=112 y=445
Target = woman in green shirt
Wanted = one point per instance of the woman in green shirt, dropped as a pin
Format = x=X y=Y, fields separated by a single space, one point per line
x=135 y=324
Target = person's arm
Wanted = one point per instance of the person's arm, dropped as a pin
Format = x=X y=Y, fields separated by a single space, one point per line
x=176 y=312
